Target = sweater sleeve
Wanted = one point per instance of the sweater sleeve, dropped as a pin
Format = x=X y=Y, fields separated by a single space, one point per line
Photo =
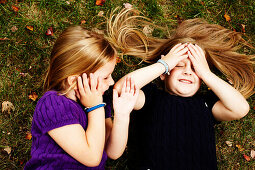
x=54 y=111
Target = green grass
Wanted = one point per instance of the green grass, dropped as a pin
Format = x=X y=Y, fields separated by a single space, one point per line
x=27 y=52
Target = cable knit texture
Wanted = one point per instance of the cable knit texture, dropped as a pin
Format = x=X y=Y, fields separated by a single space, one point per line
x=53 y=111
x=172 y=132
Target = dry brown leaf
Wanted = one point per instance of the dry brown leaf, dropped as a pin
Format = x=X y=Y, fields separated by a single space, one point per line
x=128 y=5
x=118 y=60
x=229 y=143
x=8 y=149
x=243 y=28
x=7 y=107
x=15 y=9
x=100 y=13
x=33 y=96
x=83 y=22
x=14 y=29
x=147 y=30
x=2 y=39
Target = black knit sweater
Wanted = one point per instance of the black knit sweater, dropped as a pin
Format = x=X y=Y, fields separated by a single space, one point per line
x=172 y=132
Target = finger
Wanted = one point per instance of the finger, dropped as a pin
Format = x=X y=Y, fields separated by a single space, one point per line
x=193 y=51
x=137 y=91
x=92 y=82
x=182 y=51
x=115 y=95
x=132 y=86
x=182 y=46
x=85 y=82
x=191 y=57
x=77 y=94
x=200 y=50
x=80 y=86
x=124 y=86
x=128 y=85
x=176 y=46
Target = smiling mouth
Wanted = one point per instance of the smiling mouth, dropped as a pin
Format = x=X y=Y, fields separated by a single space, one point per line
x=185 y=81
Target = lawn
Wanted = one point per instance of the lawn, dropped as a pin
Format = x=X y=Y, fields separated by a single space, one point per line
x=28 y=29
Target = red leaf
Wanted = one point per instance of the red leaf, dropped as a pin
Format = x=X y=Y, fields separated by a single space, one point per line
x=15 y=9
x=33 y=96
x=100 y=2
x=49 y=31
x=243 y=28
x=28 y=136
x=118 y=60
x=247 y=158
x=227 y=17
x=3 y=1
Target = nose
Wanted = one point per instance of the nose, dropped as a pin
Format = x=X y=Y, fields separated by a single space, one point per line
x=187 y=69
x=111 y=81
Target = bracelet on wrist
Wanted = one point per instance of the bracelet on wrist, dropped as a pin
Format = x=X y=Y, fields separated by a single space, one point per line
x=165 y=65
x=89 y=109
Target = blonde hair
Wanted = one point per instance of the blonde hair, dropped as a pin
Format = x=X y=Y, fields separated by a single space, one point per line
x=221 y=45
x=76 y=51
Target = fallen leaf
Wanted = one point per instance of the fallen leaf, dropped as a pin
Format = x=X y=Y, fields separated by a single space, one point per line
x=14 y=29
x=33 y=96
x=202 y=3
x=28 y=136
x=7 y=107
x=30 y=27
x=15 y=9
x=240 y=148
x=3 y=1
x=68 y=3
x=147 y=30
x=243 y=28
x=128 y=5
x=229 y=143
x=100 y=2
x=118 y=60
x=83 y=22
x=101 y=13
x=49 y=31
x=8 y=149
x=3 y=39
x=247 y=158
x=227 y=17
x=252 y=154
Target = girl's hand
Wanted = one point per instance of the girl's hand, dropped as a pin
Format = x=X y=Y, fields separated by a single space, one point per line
x=199 y=62
x=125 y=103
x=176 y=54
x=89 y=90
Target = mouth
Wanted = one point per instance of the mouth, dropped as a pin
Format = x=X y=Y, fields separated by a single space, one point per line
x=185 y=81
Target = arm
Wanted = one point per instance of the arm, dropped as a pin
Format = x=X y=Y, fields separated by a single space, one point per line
x=232 y=105
x=122 y=105
x=147 y=74
x=85 y=147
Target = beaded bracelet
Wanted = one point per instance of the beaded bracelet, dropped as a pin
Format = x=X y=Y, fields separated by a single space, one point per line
x=165 y=65
x=89 y=109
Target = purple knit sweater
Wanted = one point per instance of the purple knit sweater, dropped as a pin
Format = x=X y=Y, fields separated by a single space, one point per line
x=53 y=111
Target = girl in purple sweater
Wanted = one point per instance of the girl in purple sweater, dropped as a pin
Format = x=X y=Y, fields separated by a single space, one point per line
x=71 y=128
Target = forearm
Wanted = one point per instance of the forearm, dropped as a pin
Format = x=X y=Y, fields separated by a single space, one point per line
x=96 y=125
x=117 y=141
x=229 y=96
x=142 y=76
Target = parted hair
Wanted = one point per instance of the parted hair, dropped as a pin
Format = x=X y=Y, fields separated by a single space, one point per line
x=76 y=51
x=221 y=45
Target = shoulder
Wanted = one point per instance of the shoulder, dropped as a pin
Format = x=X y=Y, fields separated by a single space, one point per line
x=54 y=110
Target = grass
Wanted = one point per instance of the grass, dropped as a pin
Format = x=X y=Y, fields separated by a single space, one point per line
x=24 y=59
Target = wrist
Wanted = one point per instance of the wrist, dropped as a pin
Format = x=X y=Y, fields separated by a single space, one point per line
x=167 y=70
x=89 y=109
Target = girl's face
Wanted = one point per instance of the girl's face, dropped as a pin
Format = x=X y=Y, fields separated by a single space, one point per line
x=183 y=81
x=106 y=73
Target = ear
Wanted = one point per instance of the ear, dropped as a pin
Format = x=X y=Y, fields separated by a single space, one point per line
x=71 y=80
x=162 y=76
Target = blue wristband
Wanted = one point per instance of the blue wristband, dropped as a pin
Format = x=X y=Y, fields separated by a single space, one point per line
x=165 y=65
x=89 y=109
